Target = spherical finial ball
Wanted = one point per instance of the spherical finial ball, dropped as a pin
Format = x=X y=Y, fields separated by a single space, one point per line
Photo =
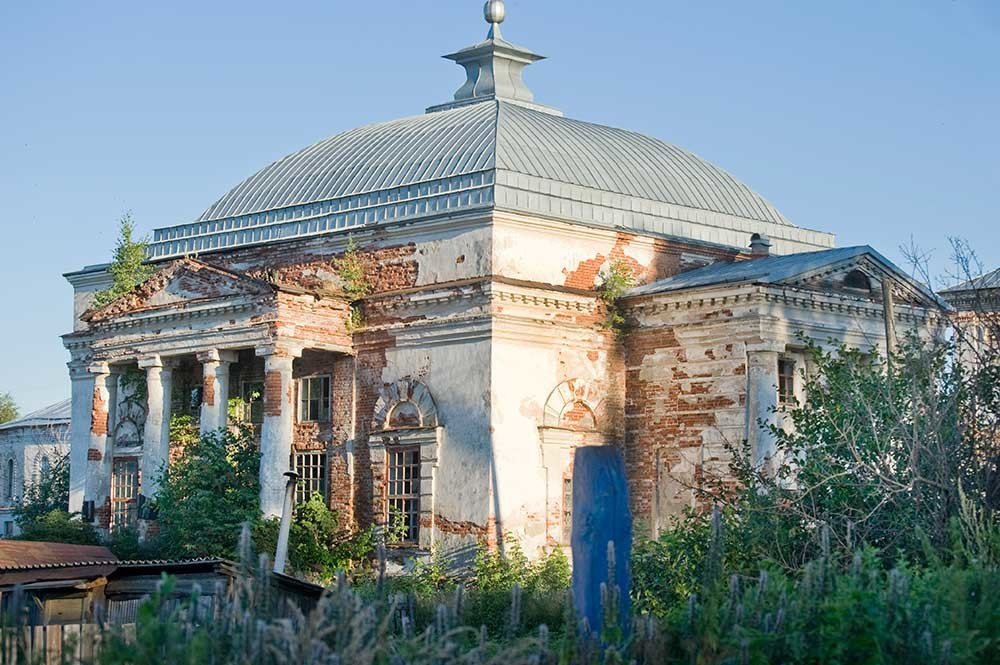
x=494 y=11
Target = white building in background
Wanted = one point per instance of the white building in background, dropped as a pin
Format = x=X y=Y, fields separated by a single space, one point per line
x=29 y=448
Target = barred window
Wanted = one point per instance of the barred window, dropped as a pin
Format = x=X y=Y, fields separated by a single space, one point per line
x=311 y=468
x=567 y=510
x=786 y=381
x=404 y=491
x=124 y=492
x=314 y=399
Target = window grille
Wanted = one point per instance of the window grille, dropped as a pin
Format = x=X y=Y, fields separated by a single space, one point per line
x=567 y=510
x=314 y=399
x=124 y=492
x=404 y=491
x=312 y=475
x=786 y=381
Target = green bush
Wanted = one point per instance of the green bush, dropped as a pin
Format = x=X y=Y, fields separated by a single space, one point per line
x=318 y=548
x=59 y=526
x=207 y=494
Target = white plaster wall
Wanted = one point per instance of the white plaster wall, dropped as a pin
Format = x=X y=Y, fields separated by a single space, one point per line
x=526 y=369
x=549 y=252
x=457 y=373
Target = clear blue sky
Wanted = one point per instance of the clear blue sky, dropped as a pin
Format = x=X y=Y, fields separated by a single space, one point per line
x=875 y=120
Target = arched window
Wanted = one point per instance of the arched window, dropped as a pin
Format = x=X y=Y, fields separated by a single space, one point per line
x=858 y=281
x=9 y=480
x=45 y=467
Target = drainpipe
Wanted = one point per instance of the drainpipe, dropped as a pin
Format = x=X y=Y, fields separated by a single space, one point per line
x=281 y=555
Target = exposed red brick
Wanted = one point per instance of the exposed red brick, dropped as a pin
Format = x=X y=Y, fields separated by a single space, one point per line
x=94 y=455
x=99 y=414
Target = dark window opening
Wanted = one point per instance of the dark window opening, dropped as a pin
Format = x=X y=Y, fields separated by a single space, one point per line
x=858 y=281
x=786 y=381
x=314 y=399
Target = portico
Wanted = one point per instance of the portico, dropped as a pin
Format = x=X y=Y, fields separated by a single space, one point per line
x=193 y=341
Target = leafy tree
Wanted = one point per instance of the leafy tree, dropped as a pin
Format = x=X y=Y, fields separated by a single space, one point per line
x=8 y=408
x=128 y=266
x=49 y=493
x=208 y=493
x=59 y=526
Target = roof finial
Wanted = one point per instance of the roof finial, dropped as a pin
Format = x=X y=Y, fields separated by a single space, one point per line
x=495 y=12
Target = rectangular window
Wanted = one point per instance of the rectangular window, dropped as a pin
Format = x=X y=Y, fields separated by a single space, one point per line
x=567 y=510
x=786 y=381
x=312 y=475
x=404 y=491
x=314 y=399
x=252 y=393
x=124 y=492
x=8 y=529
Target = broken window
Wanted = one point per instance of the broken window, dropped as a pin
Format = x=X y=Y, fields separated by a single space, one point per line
x=314 y=399
x=786 y=381
x=311 y=468
x=124 y=492
x=403 y=492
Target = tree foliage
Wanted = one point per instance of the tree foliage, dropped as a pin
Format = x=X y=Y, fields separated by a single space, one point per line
x=8 y=408
x=615 y=281
x=59 y=526
x=128 y=266
x=207 y=494
x=48 y=493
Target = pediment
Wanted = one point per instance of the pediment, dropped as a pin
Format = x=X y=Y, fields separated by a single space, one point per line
x=864 y=276
x=180 y=283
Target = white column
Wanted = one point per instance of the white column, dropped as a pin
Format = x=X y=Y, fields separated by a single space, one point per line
x=99 y=453
x=277 y=429
x=82 y=405
x=762 y=401
x=215 y=389
x=156 y=432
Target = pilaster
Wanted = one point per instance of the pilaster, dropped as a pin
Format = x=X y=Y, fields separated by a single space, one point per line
x=762 y=400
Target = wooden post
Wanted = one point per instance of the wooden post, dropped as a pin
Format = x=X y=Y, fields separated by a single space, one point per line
x=601 y=515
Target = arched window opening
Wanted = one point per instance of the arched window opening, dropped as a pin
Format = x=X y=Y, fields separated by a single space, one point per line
x=9 y=480
x=858 y=281
x=404 y=415
x=45 y=467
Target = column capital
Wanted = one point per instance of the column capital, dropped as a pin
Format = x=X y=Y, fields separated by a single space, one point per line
x=99 y=369
x=765 y=346
x=216 y=356
x=280 y=350
x=150 y=362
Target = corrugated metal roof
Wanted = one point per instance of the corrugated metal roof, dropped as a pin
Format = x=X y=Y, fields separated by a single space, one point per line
x=616 y=160
x=484 y=136
x=778 y=269
x=23 y=554
x=990 y=280
x=768 y=270
x=54 y=414
x=373 y=158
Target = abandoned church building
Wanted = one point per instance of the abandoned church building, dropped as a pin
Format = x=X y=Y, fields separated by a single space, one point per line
x=453 y=380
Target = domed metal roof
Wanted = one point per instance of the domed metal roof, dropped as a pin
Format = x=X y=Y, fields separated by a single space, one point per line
x=492 y=147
